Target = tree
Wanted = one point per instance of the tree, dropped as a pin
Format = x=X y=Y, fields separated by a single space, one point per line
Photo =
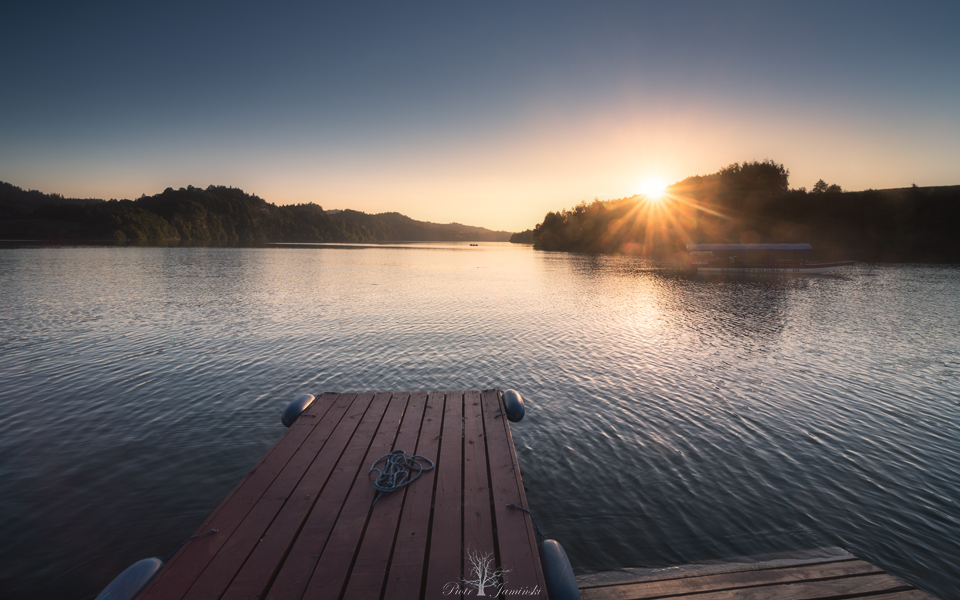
x=822 y=187
x=484 y=572
x=766 y=178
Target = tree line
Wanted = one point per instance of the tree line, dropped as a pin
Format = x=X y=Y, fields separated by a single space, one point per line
x=217 y=214
x=751 y=202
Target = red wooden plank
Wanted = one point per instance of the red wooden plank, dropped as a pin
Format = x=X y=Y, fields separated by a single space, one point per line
x=406 y=565
x=295 y=573
x=187 y=564
x=330 y=574
x=478 y=539
x=446 y=551
x=515 y=537
x=267 y=543
x=370 y=567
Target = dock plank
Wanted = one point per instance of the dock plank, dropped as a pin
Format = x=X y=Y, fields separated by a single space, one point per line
x=405 y=578
x=517 y=543
x=298 y=568
x=814 y=590
x=478 y=537
x=817 y=574
x=444 y=561
x=732 y=565
x=908 y=595
x=188 y=563
x=373 y=560
x=727 y=581
x=329 y=577
x=847 y=587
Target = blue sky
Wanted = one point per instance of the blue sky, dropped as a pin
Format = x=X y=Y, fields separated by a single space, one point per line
x=486 y=113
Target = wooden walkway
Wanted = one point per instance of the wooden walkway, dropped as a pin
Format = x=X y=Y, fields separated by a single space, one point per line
x=812 y=575
x=301 y=525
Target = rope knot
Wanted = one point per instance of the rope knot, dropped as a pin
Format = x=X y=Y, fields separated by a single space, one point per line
x=398 y=470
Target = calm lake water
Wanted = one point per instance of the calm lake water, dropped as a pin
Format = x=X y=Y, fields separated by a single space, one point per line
x=670 y=419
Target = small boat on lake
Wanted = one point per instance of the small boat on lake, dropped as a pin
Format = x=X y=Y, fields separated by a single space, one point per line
x=788 y=259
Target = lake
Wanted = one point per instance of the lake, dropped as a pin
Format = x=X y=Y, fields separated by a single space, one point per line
x=670 y=418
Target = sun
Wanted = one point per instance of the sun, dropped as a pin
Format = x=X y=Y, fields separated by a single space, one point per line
x=653 y=188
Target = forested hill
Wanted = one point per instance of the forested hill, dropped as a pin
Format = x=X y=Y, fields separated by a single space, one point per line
x=216 y=214
x=752 y=203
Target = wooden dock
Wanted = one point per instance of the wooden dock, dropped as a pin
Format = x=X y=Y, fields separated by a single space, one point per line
x=302 y=523
x=809 y=575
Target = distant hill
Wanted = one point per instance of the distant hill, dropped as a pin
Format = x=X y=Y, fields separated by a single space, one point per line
x=394 y=226
x=750 y=203
x=216 y=214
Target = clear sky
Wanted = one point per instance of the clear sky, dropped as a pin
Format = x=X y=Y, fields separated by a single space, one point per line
x=485 y=113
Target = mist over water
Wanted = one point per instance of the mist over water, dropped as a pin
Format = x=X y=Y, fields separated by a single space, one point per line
x=670 y=418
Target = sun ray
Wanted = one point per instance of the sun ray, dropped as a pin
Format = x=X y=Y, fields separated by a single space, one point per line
x=696 y=205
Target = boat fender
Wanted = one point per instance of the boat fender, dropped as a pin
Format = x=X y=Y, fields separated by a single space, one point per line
x=557 y=572
x=294 y=409
x=513 y=405
x=127 y=585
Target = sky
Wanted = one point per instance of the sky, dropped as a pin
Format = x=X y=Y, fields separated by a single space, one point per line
x=484 y=113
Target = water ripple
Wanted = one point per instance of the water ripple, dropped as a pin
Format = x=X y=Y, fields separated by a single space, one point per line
x=670 y=419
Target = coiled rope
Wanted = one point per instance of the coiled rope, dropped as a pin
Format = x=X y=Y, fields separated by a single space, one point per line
x=396 y=472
